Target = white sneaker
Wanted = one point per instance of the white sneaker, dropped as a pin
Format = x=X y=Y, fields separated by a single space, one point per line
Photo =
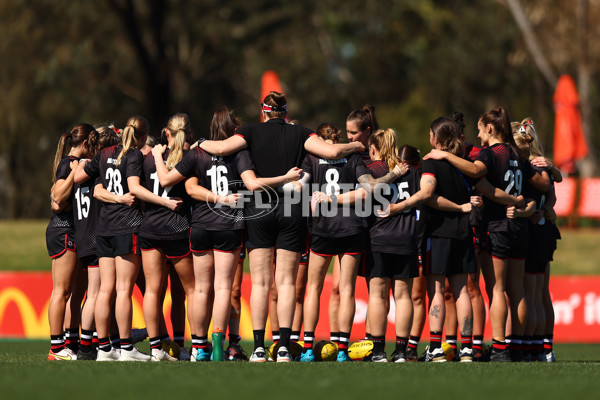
x=112 y=355
x=283 y=355
x=184 y=354
x=161 y=355
x=134 y=355
x=466 y=355
x=258 y=355
x=437 y=355
x=65 y=354
x=193 y=354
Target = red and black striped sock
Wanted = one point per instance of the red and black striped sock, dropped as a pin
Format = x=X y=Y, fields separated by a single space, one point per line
x=72 y=339
x=334 y=337
x=309 y=338
x=276 y=336
x=87 y=337
x=548 y=342
x=126 y=344
x=104 y=344
x=451 y=340
x=295 y=336
x=466 y=342
x=344 y=341
x=435 y=340
x=478 y=343
x=413 y=341
x=499 y=345
x=57 y=343
x=155 y=342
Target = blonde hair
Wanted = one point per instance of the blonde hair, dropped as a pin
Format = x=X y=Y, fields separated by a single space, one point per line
x=385 y=142
x=527 y=139
x=135 y=129
x=178 y=125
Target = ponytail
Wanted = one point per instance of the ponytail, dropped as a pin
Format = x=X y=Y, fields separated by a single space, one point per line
x=364 y=118
x=60 y=152
x=178 y=125
x=136 y=128
x=500 y=120
x=527 y=139
x=328 y=131
x=385 y=142
x=447 y=133
x=78 y=135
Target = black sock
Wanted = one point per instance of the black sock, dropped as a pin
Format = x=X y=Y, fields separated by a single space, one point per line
x=309 y=338
x=259 y=338
x=285 y=337
x=179 y=338
x=344 y=341
x=104 y=344
x=378 y=344
x=155 y=342
x=498 y=345
x=126 y=344
x=276 y=336
x=413 y=341
x=451 y=340
x=401 y=343
x=87 y=337
x=334 y=337
x=234 y=339
x=57 y=343
x=435 y=340
x=295 y=336
x=115 y=343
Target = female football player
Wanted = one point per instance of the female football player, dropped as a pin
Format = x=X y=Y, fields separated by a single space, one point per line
x=117 y=242
x=164 y=233
x=60 y=239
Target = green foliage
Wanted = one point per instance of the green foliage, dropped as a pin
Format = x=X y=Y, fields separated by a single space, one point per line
x=102 y=61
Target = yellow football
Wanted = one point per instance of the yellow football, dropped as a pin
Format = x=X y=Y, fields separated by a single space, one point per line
x=325 y=350
x=448 y=351
x=360 y=350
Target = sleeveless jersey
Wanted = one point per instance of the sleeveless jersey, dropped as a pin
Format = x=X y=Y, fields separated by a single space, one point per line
x=116 y=219
x=159 y=222
x=220 y=175
x=335 y=177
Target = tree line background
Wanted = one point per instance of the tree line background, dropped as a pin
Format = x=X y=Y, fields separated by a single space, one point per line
x=66 y=62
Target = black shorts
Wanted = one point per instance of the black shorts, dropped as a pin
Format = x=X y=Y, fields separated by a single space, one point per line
x=119 y=245
x=329 y=246
x=243 y=253
x=511 y=243
x=275 y=229
x=304 y=255
x=176 y=248
x=90 y=261
x=202 y=240
x=58 y=243
x=393 y=266
x=447 y=256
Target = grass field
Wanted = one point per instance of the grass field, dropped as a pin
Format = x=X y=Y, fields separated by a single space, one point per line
x=24 y=248
x=25 y=374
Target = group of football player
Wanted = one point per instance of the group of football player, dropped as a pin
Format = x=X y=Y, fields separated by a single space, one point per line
x=298 y=199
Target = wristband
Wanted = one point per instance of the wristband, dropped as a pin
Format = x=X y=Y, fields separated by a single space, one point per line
x=200 y=141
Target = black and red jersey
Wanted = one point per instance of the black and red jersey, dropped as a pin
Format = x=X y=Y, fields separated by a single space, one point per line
x=220 y=175
x=62 y=222
x=159 y=222
x=117 y=219
x=452 y=185
x=396 y=234
x=335 y=177
x=506 y=171
x=86 y=212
